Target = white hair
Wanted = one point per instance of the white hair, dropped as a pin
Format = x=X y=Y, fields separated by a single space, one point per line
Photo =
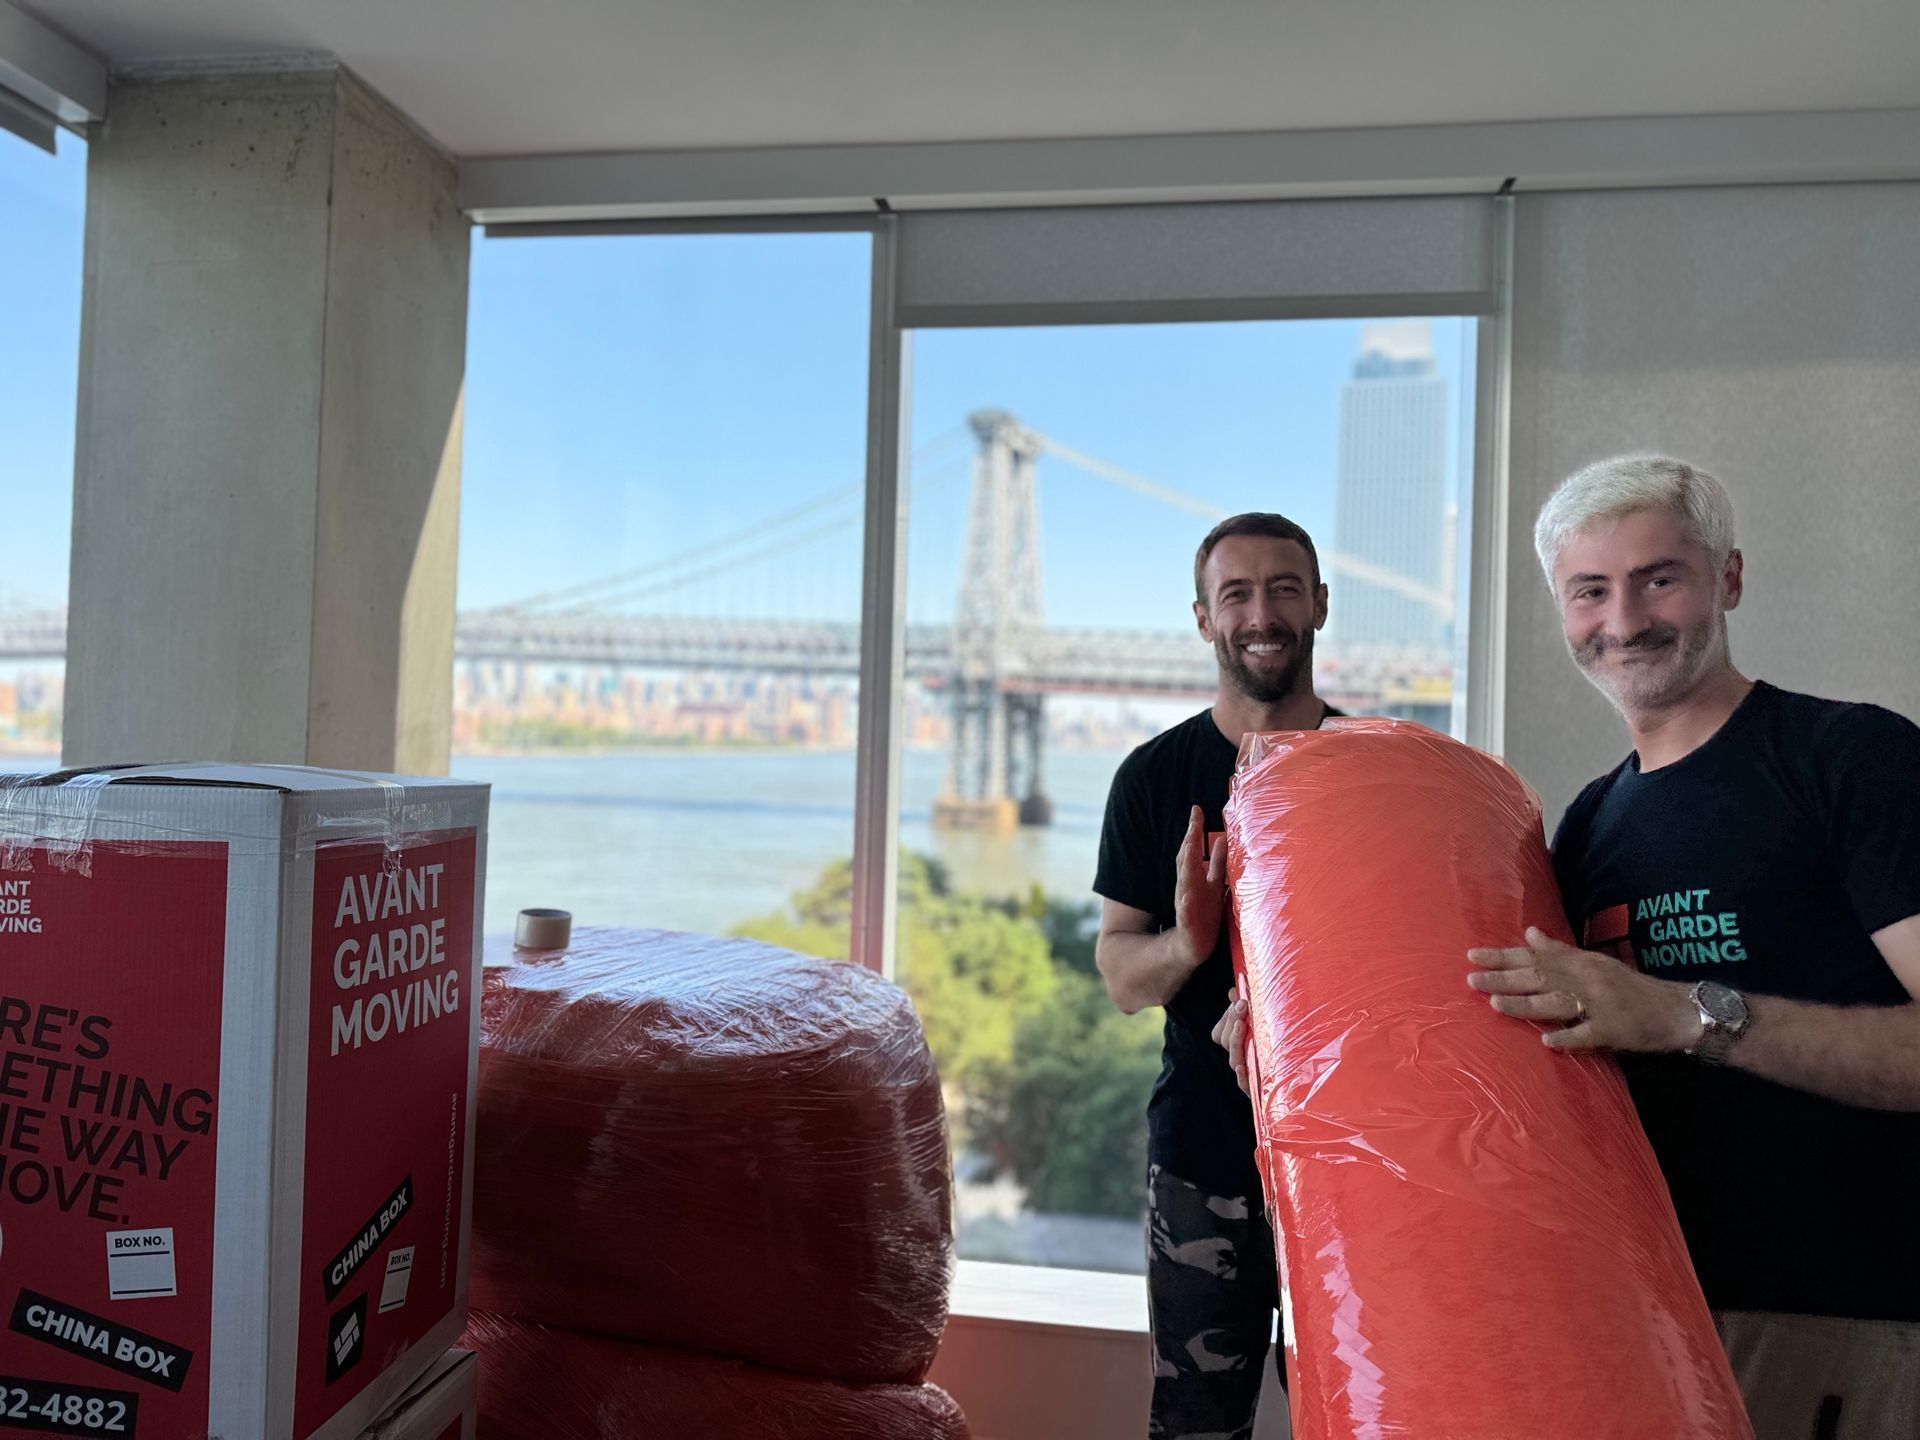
x=1627 y=484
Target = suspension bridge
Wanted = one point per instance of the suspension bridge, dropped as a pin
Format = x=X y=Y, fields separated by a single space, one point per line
x=995 y=663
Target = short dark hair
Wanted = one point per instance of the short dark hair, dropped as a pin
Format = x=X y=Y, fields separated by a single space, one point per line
x=1254 y=522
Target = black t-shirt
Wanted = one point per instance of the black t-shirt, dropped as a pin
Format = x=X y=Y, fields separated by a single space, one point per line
x=1765 y=860
x=1199 y=1125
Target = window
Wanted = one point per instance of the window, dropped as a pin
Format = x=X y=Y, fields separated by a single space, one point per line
x=42 y=211
x=656 y=657
x=1072 y=472
x=661 y=590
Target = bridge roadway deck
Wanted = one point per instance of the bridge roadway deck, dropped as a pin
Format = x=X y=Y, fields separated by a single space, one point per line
x=1050 y=660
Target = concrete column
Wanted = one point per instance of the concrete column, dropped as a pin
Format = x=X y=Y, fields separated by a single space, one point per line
x=267 y=472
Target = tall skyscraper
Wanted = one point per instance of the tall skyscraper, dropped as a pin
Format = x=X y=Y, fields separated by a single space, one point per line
x=1390 y=512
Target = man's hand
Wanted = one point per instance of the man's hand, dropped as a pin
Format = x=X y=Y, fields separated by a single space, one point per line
x=1144 y=965
x=1199 y=892
x=1604 y=1003
x=1230 y=1034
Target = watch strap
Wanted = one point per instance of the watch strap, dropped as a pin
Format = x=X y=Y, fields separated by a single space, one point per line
x=1717 y=1036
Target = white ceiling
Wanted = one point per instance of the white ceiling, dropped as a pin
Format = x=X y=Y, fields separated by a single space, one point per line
x=509 y=77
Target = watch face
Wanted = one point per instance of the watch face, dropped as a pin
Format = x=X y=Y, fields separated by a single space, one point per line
x=1723 y=1006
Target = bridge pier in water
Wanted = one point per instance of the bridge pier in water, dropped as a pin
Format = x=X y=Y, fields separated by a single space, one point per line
x=995 y=780
x=996 y=774
x=1029 y=748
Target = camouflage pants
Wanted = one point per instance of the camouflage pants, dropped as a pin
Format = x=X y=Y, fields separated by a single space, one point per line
x=1211 y=1295
x=1816 y=1377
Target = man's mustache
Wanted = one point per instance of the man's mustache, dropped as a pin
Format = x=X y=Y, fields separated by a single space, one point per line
x=1654 y=637
x=1279 y=632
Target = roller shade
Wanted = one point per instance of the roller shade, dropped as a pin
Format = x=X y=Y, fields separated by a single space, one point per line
x=1268 y=259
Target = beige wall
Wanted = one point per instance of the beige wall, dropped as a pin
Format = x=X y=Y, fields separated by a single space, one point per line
x=1772 y=335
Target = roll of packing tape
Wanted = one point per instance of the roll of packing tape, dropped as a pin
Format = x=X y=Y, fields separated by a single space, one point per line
x=543 y=929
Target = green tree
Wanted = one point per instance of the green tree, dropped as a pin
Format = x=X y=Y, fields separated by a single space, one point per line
x=973 y=968
x=1051 y=1081
x=1067 y=1113
x=1071 y=927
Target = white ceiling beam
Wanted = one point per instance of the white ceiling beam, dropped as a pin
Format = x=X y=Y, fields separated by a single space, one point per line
x=1432 y=159
x=49 y=71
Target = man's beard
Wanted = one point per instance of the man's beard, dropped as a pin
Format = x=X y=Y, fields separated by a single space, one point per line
x=1272 y=687
x=1680 y=658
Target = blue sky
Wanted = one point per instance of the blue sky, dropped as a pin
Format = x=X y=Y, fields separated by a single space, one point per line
x=42 y=206
x=633 y=398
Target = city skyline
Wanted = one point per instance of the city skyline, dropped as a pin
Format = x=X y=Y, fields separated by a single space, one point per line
x=502 y=709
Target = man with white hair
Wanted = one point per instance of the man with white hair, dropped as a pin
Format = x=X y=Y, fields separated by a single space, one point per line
x=1756 y=862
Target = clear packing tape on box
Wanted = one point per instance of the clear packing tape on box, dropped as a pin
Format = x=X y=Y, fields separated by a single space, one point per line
x=1474 y=1236
x=716 y=1145
x=53 y=817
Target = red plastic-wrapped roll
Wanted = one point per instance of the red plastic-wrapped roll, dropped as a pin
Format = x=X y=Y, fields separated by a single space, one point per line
x=715 y=1145
x=542 y=1384
x=1475 y=1238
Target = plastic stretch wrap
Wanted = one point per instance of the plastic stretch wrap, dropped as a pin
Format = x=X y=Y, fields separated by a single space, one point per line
x=715 y=1145
x=1476 y=1242
x=543 y=1384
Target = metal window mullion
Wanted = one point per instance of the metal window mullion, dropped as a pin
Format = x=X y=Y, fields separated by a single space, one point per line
x=876 y=819
x=27 y=120
x=1492 y=500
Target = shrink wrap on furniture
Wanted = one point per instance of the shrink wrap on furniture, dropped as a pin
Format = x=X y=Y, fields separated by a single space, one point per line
x=1475 y=1240
x=538 y=1383
x=716 y=1145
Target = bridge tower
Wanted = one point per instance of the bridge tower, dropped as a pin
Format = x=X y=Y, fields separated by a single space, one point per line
x=996 y=774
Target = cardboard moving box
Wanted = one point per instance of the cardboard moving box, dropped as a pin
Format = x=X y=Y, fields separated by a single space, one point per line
x=238 y=1027
x=442 y=1405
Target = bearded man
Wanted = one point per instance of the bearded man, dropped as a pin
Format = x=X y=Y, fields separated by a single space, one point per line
x=1211 y=1278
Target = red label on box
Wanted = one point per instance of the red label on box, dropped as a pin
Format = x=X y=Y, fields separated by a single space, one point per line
x=387 y=1055
x=110 y=1007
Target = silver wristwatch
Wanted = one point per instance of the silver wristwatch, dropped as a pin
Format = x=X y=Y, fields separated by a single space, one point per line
x=1724 y=1018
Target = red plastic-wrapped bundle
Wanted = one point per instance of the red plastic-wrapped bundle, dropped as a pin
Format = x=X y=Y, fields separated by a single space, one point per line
x=542 y=1384
x=715 y=1145
x=1475 y=1238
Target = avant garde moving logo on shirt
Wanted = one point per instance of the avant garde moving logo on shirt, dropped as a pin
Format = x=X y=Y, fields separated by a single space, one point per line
x=1681 y=927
